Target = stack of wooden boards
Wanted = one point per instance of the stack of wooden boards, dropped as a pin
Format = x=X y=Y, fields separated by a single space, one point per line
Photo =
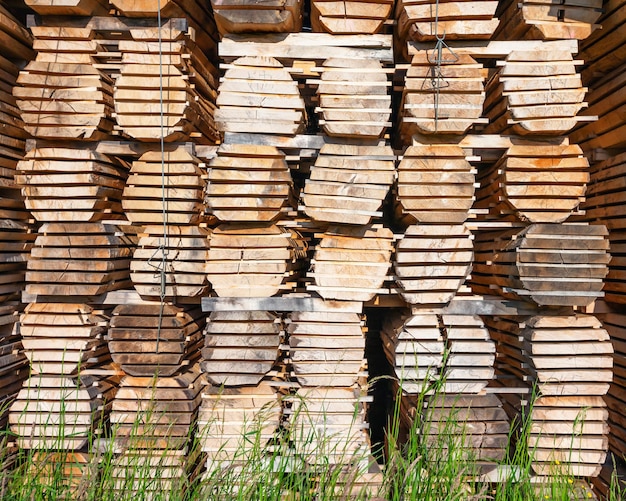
x=450 y=360
x=348 y=184
x=535 y=92
x=534 y=182
x=351 y=262
x=529 y=19
x=568 y=359
x=443 y=93
x=222 y=218
x=435 y=185
x=248 y=183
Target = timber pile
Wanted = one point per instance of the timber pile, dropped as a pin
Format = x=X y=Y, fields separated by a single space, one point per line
x=70 y=8
x=601 y=51
x=548 y=264
x=435 y=185
x=615 y=324
x=605 y=193
x=248 y=183
x=569 y=359
x=535 y=93
x=227 y=414
x=443 y=93
x=471 y=427
x=65 y=100
x=452 y=353
x=240 y=347
x=345 y=17
x=421 y=20
x=607 y=102
x=152 y=418
x=150 y=340
x=14 y=367
x=568 y=435
x=432 y=262
x=197 y=14
x=257 y=94
x=60 y=412
x=248 y=260
x=166 y=186
x=62 y=260
x=65 y=339
x=348 y=184
x=92 y=184
x=17 y=43
x=532 y=19
x=328 y=424
x=351 y=262
x=277 y=16
x=535 y=182
x=415 y=348
x=614 y=281
x=175 y=71
x=326 y=349
x=16 y=241
x=169 y=262
x=62 y=468
x=354 y=98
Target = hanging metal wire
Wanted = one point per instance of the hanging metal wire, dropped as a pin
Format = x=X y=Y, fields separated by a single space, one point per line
x=437 y=58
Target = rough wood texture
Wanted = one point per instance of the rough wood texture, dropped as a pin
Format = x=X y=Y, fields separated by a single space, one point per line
x=14 y=367
x=165 y=188
x=63 y=338
x=248 y=183
x=245 y=16
x=326 y=349
x=92 y=184
x=453 y=353
x=154 y=340
x=535 y=93
x=547 y=20
x=348 y=184
x=460 y=20
x=65 y=101
x=537 y=183
x=472 y=427
x=615 y=325
x=176 y=72
x=62 y=261
x=443 y=93
x=354 y=98
x=226 y=414
x=548 y=264
x=247 y=260
x=169 y=262
x=344 y=17
x=432 y=262
x=240 y=347
x=328 y=424
x=58 y=412
x=563 y=431
x=435 y=185
x=351 y=263
x=258 y=94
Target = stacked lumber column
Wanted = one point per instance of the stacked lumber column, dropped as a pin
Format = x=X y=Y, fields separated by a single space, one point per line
x=603 y=142
x=16 y=228
x=443 y=361
x=548 y=256
x=249 y=189
x=568 y=361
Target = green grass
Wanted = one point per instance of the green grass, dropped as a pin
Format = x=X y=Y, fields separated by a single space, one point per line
x=415 y=469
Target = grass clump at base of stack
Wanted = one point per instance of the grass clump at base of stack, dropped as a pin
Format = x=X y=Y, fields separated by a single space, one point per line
x=415 y=469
